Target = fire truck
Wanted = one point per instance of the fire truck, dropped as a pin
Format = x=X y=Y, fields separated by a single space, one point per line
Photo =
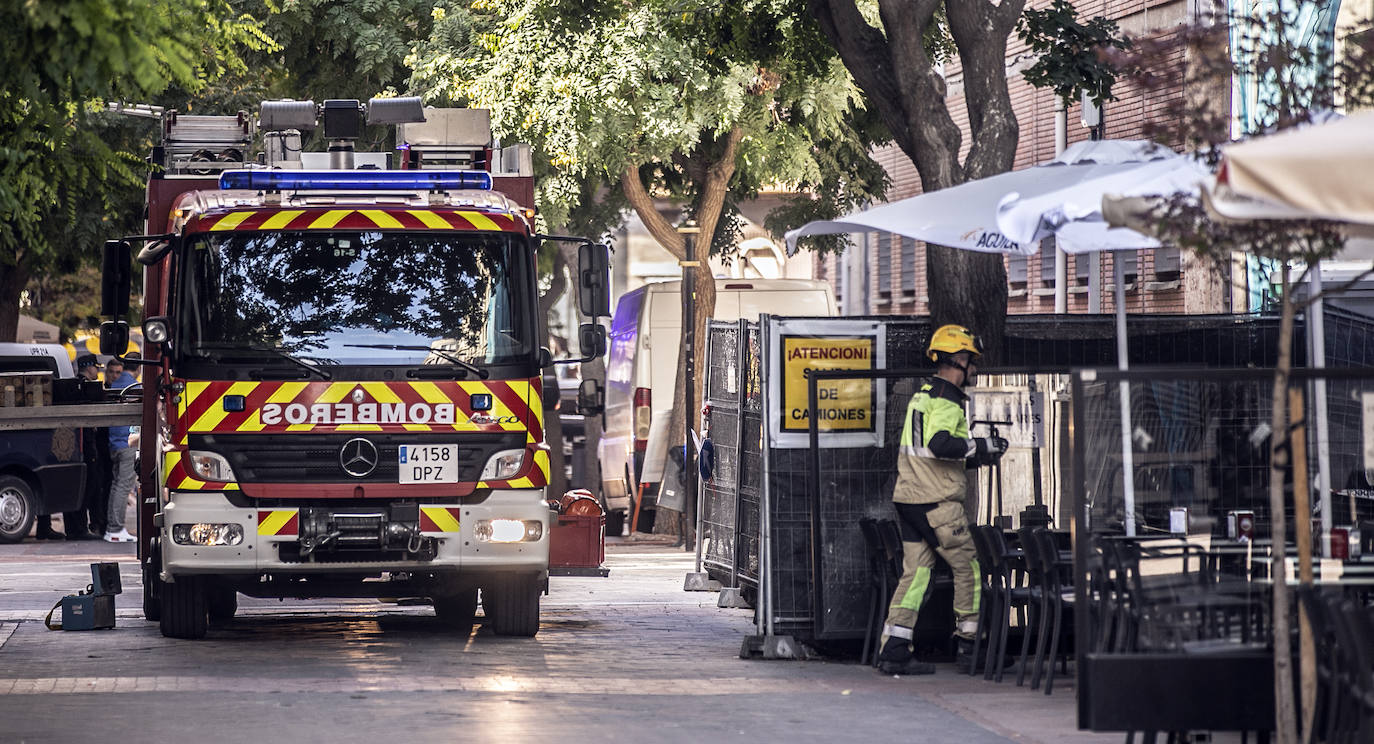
x=343 y=379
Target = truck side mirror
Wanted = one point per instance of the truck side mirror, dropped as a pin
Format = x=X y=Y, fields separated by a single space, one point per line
x=591 y=398
x=594 y=280
x=591 y=340
x=114 y=337
x=115 y=280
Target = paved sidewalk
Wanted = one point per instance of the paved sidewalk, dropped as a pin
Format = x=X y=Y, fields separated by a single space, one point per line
x=627 y=658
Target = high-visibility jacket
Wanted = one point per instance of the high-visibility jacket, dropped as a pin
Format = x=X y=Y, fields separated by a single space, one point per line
x=934 y=446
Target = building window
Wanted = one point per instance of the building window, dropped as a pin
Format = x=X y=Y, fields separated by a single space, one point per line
x=1167 y=263
x=1017 y=269
x=885 y=265
x=908 y=249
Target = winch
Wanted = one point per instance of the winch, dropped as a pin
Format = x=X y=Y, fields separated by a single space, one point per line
x=392 y=529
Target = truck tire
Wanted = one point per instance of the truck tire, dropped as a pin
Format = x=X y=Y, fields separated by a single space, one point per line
x=222 y=602
x=18 y=508
x=457 y=611
x=185 y=608
x=152 y=584
x=512 y=604
x=615 y=522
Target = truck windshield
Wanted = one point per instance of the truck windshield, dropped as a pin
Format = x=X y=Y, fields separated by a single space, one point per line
x=326 y=297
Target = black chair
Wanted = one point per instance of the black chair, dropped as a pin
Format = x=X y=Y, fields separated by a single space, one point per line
x=988 y=608
x=880 y=584
x=1332 y=680
x=1038 y=609
x=1006 y=571
x=890 y=536
x=1057 y=572
x=1355 y=635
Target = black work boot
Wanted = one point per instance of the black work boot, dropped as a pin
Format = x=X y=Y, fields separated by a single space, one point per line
x=963 y=656
x=896 y=658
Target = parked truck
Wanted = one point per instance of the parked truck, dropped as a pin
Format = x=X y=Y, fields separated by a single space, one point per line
x=343 y=379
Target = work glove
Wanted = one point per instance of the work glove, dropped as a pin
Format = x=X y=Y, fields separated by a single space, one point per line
x=988 y=450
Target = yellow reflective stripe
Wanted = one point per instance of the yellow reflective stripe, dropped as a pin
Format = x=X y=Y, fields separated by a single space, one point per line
x=216 y=413
x=232 y=220
x=193 y=391
x=273 y=522
x=380 y=392
x=380 y=218
x=430 y=392
x=335 y=392
x=916 y=590
x=281 y=219
x=479 y=220
x=430 y=219
x=441 y=517
x=330 y=218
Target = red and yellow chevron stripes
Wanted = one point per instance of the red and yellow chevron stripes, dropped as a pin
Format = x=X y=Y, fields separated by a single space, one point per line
x=439 y=518
x=271 y=407
x=278 y=522
x=178 y=478
x=353 y=219
x=536 y=473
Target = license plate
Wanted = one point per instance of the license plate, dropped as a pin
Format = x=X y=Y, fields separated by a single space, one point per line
x=428 y=463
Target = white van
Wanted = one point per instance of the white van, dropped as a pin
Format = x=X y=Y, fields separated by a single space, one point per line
x=645 y=345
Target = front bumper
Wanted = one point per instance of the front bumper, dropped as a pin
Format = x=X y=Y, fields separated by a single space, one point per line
x=270 y=546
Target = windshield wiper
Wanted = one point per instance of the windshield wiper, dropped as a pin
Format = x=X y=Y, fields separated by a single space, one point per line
x=307 y=366
x=469 y=366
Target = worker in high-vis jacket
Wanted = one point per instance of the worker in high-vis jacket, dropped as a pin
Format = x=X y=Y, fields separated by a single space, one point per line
x=935 y=451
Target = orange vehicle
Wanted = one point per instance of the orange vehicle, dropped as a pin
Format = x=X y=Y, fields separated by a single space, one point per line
x=343 y=382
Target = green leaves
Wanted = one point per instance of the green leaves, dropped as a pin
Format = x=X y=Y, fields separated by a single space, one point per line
x=599 y=86
x=1071 y=60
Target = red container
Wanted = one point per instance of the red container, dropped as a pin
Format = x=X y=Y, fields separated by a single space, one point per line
x=578 y=542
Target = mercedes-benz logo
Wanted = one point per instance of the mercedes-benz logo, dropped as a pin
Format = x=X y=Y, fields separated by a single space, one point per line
x=358 y=457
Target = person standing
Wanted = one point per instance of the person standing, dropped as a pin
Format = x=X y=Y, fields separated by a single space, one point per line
x=95 y=452
x=124 y=457
x=935 y=451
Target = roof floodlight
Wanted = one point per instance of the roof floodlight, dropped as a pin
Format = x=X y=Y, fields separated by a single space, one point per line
x=406 y=110
x=277 y=116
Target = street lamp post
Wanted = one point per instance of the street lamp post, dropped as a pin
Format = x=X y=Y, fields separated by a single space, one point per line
x=689 y=231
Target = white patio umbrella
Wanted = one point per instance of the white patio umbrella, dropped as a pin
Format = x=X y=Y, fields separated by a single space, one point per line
x=967 y=216
x=1311 y=172
x=1012 y=212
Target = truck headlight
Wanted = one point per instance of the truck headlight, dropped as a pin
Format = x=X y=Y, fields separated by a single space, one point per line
x=210 y=466
x=508 y=530
x=504 y=464
x=203 y=533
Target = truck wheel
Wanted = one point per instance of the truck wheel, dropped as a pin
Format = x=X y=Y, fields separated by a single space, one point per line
x=152 y=584
x=222 y=602
x=17 y=508
x=615 y=522
x=457 y=611
x=512 y=604
x=185 y=608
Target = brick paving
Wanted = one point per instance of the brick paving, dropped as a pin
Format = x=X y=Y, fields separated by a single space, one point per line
x=626 y=658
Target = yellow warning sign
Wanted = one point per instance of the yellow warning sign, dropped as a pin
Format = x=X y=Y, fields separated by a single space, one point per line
x=841 y=405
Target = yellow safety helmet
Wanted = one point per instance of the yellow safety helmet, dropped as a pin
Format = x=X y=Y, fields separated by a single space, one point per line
x=952 y=339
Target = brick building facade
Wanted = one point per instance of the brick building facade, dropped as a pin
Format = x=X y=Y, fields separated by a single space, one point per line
x=883 y=273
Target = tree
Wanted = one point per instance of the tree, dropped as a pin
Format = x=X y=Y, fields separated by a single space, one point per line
x=898 y=60
x=59 y=60
x=1299 y=77
x=693 y=102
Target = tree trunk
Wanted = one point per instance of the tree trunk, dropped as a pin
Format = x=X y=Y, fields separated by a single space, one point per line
x=13 y=279
x=1285 y=717
x=907 y=89
x=710 y=202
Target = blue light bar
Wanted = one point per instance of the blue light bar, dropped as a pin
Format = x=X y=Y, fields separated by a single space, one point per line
x=354 y=180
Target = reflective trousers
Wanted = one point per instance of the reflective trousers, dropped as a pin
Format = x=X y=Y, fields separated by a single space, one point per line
x=928 y=529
